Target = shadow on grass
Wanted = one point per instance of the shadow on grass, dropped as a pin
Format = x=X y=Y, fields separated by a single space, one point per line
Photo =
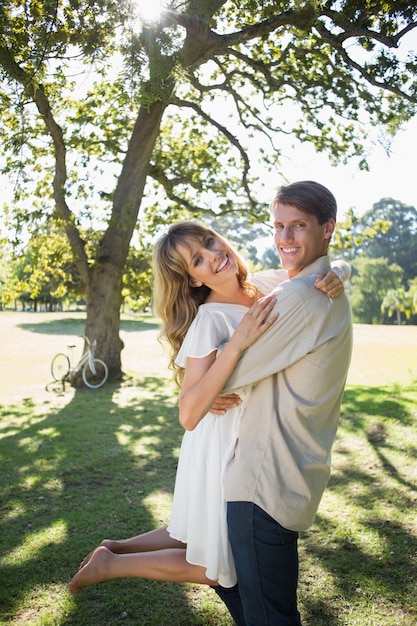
x=76 y=326
x=74 y=476
x=104 y=466
x=365 y=541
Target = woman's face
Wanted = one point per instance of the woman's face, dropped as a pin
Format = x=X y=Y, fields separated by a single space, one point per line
x=210 y=262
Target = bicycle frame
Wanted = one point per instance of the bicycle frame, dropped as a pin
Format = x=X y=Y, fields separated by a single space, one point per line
x=94 y=371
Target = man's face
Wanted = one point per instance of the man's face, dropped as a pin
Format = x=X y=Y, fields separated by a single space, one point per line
x=299 y=238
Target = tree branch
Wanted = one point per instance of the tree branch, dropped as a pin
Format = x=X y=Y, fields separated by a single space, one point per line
x=335 y=42
x=36 y=92
x=231 y=138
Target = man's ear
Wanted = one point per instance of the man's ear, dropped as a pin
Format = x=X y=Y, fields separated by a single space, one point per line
x=194 y=283
x=329 y=228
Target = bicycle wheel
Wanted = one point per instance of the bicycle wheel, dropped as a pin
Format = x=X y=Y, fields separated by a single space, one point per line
x=97 y=378
x=60 y=366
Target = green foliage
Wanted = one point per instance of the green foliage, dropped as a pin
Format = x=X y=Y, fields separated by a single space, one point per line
x=137 y=279
x=396 y=241
x=371 y=280
x=43 y=273
x=397 y=301
x=103 y=114
x=351 y=234
x=95 y=93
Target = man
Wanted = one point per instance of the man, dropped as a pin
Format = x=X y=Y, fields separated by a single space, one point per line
x=281 y=464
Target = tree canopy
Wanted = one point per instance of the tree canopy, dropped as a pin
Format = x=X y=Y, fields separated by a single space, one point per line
x=397 y=242
x=372 y=279
x=107 y=117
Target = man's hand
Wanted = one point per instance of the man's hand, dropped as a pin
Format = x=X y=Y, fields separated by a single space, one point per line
x=329 y=283
x=223 y=403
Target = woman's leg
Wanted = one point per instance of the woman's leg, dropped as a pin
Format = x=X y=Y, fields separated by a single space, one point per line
x=157 y=539
x=168 y=565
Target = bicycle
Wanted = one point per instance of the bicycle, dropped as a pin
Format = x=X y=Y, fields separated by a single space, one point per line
x=94 y=371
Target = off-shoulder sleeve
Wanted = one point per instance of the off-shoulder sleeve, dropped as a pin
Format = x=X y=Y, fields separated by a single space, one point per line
x=209 y=331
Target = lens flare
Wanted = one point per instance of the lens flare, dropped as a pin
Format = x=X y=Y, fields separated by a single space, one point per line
x=149 y=11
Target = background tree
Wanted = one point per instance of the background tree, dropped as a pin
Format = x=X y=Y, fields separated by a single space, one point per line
x=6 y=271
x=248 y=237
x=412 y=291
x=371 y=281
x=95 y=105
x=397 y=243
x=137 y=278
x=396 y=302
x=44 y=273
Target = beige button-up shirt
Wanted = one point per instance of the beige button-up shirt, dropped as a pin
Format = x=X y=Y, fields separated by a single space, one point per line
x=282 y=457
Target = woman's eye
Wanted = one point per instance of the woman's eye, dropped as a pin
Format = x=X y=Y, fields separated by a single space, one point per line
x=197 y=261
x=209 y=242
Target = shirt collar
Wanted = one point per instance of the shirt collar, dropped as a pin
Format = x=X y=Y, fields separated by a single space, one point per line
x=322 y=263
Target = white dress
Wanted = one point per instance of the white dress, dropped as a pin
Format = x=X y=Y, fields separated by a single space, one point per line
x=198 y=516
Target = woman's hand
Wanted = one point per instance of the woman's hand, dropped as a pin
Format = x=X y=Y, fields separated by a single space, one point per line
x=221 y=405
x=254 y=323
x=330 y=283
x=204 y=378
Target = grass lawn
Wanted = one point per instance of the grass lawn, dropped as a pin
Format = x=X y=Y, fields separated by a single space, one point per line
x=78 y=467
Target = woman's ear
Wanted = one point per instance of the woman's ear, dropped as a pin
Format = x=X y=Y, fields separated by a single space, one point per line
x=194 y=283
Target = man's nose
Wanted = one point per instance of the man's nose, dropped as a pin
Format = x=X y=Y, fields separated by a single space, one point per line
x=287 y=234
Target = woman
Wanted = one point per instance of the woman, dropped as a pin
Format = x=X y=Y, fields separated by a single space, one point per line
x=210 y=314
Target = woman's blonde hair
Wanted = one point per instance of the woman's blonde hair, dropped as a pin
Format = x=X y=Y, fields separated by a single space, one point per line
x=175 y=301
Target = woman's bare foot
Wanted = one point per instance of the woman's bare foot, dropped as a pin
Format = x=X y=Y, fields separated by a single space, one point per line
x=108 y=543
x=95 y=570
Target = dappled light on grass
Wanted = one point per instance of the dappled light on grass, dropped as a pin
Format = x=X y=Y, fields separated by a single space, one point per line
x=34 y=542
x=363 y=547
x=90 y=465
x=159 y=505
x=44 y=605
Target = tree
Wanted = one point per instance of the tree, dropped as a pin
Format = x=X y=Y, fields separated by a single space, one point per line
x=44 y=273
x=412 y=293
x=395 y=302
x=397 y=242
x=179 y=115
x=371 y=281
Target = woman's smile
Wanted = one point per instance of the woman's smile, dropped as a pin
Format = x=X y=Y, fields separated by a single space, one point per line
x=223 y=264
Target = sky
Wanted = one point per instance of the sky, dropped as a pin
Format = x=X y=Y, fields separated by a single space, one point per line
x=390 y=176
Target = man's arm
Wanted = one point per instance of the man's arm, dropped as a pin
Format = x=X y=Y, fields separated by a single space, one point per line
x=300 y=328
x=281 y=344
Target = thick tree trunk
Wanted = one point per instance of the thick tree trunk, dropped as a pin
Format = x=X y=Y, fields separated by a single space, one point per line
x=103 y=315
x=104 y=282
